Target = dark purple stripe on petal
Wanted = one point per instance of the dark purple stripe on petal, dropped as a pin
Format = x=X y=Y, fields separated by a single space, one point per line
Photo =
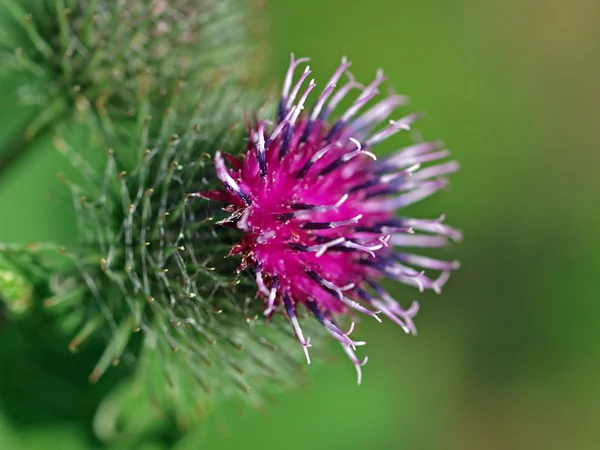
x=318 y=279
x=281 y=110
x=365 y=185
x=285 y=145
x=262 y=163
x=298 y=247
x=307 y=130
x=334 y=130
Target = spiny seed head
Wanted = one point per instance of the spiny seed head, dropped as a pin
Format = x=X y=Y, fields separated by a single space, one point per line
x=317 y=211
x=153 y=260
x=108 y=55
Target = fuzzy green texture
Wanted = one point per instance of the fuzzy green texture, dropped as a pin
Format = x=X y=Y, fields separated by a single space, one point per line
x=153 y=89
x=69 y=53
x=39 y=349
x=150 y=275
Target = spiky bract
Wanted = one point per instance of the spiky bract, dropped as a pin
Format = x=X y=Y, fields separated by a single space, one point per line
x=153 y=259
x=119 y=55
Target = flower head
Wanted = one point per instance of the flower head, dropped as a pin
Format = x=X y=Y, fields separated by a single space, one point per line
x=148 y=278
x=317 y=208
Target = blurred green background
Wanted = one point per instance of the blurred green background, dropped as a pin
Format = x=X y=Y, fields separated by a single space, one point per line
x=509 y=356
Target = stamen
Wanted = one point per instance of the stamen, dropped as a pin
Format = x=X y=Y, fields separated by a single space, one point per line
x=300 y=105
x=282 y=109
x=260 y=281
x=297 y=110
x=417 y=149
x=358 y=151
x=434 y=226
x=406 y=324
x=326 y=225
x=321 y=102
x=403 y=186
x=394 y=311
x=409 y=171
x=394 y=127
x=271 y=299
x=329 y=88
x=227 y=180
x=427 y=263
x=297 y=87
x=395 y=224
x=310 y=209
x=357 y=363
x=359 y=103
x=379 y=229
x=261 y=153
x=339 y=96
x=408 y=160
x=282 y=124
x=401 y=273
x=410 y=276
x=322 y=248
x=413 y=184
x=287 y=84
x=337 y=293
x=291 y=313
x=369 y=92
x=347 y=157
x=316 y=111
x=404 y=199
x=439 y=283
x=368 y=249
x=436 y=171
x=385 y=240
x=379 y=112
x=423 y=241
x=302 y=173
x=332 y=328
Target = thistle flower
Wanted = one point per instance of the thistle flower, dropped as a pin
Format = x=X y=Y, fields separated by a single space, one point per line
x=149 y=276
x=316 y=208
x=312 y=213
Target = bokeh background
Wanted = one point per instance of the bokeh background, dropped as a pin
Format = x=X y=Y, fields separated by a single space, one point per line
x=509 y=356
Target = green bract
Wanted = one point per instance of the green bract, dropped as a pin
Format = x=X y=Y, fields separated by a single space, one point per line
x=140 y=95
x=112 y=53
x=150 y=275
